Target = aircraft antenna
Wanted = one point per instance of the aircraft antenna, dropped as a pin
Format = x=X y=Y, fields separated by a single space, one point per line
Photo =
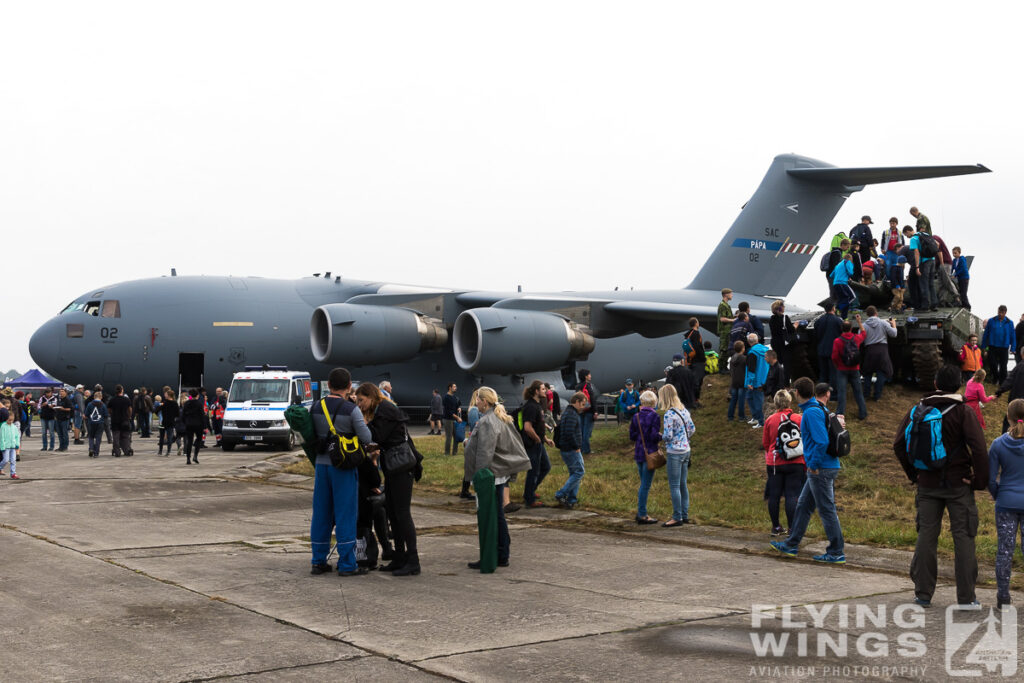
x=174 y=272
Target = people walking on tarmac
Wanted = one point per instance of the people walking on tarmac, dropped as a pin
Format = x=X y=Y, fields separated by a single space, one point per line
x=942 y=449
x=754 y=380
x=217 y=408
x=451 y=413
x=586 y=386
x=10 y=439
x=534 y=437
x=997 y=341
x=783 y=456
x=1006 y=485
x=120 y=409
x=336 y=490
x=725 y=321
x=677 y=428
x=63 y=411
x=192 y=416
x=846 y=358
x=755 y=322
x=841 y=277
x=78 y=400
x=494 y=455
x=169 y=414
x=436 y=413
x=396 y=458
x=695 y=356
x=923 y=224
x=645 y=433
x=96 y=417
x=822 y=470
x=628 y=402
x=975 y=396
x=862 y=237
x=970 y=358
x=877 y=361
x=737 y=390
x=106 y=399
x=142 y=406
x=569 y=444
x=827 y=329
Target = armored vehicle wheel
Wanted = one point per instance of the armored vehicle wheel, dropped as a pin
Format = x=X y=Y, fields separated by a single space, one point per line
x=927 y=361
x=800 y=363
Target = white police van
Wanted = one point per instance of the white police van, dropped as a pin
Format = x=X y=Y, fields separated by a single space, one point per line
x=257 y=400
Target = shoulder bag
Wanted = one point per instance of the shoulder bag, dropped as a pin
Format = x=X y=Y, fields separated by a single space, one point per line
x=655 y=460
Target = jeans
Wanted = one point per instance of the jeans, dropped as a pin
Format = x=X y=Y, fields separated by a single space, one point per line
x=818 y=492
x=587 y=427
x=962 y=283
x=738 y=397
x=1009 y=526
x=540 y=465
x=881 y=379
x=926 y=286
x=963 y=523
x=143 y=422
x=851 y=377
x=826 y=370
x=677 y=465
x=571 y=489
x=997 y=358
x=788 y=481
x=62 y=434
x=49 y=427
x=335 y=506
x=10 y=455
x=167 y=437
x=646 y=477
x=95 y=437
x=755 y=397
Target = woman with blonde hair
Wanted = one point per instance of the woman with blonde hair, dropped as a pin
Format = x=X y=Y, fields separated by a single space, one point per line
x=645 y=433
x=493 y=455
x=783 y=455
x=1006 y=484
x=677 y=428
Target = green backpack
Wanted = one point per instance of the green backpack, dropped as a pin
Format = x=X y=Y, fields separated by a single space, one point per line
x=710 y=362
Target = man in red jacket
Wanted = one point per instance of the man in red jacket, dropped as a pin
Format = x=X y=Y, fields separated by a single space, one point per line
x=846 y=358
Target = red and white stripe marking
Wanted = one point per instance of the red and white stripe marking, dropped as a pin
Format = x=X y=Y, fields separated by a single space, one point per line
x=796 y=248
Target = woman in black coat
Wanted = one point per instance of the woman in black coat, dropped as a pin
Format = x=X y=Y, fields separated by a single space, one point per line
x=192 y=415
x=388 y=425
x=169 y=411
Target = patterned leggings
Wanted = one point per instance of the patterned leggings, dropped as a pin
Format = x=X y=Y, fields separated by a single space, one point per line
x=1008 y=525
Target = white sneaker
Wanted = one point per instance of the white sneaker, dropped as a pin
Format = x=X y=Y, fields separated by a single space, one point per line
x=757 y=426
x=751 y=421
x=969 y=607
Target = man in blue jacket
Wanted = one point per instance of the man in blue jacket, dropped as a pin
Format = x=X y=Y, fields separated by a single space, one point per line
x=822 y=470
x=754 y=379
x=997 y=341
x=826 y=329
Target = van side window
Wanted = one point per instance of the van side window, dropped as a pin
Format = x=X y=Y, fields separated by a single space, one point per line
x=111 y=309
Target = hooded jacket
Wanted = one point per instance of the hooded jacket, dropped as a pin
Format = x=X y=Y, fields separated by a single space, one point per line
x=1006 y=473
x=497 y=446
x=757 y=367
x=964 y=442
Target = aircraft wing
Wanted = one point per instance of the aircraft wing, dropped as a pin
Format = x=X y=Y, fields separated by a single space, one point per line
x=657 y=310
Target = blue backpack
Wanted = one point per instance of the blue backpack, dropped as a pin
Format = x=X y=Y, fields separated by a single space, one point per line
x=924 y=437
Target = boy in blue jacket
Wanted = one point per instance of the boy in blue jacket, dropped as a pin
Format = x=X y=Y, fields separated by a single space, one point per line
x=822 y=470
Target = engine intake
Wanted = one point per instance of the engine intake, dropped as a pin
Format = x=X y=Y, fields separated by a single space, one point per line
x=506 y=341
x=354 y=334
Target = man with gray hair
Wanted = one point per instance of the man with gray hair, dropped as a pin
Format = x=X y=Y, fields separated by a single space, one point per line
x=385 y=389
x=754 y=378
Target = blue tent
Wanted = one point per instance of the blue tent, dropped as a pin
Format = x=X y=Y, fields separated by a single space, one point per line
x=31 y=380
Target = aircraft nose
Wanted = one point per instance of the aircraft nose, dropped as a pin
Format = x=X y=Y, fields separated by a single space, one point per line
x=44 y=347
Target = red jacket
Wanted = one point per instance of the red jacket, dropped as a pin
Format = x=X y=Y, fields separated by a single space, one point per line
x=837 y=350
x=770 y=435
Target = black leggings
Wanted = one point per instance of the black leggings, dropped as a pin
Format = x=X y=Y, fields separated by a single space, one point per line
x=788 y=481
x=193 y=440
x=398 y=499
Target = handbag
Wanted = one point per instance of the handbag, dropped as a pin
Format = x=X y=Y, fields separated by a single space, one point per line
x=459 y=431
x=398 y=459
x=655 y=460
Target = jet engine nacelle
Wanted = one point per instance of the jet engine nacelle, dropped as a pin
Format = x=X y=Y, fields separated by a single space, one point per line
x=506 y=341
x=353 y=334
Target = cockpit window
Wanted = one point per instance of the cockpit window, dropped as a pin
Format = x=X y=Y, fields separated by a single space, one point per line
x=74 y=306
x=111 y=309
x=92 y=308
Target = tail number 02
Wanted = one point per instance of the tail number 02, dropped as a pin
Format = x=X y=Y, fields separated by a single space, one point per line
x=108 y=332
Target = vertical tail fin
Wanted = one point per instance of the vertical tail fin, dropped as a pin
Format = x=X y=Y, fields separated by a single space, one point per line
x=777 y=232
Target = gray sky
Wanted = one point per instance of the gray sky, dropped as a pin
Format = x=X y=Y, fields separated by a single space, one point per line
x=557 y=145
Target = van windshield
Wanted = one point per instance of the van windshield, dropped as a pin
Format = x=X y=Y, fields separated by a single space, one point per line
x=259 y=391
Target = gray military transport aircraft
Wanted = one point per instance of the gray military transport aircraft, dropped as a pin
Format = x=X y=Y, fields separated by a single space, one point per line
x=192 y=331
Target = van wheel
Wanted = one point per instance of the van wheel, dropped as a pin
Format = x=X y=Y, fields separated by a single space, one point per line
x=292 y=443
x=227 y=445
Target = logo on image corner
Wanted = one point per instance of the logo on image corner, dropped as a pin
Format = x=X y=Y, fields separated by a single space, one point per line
x=981 y=645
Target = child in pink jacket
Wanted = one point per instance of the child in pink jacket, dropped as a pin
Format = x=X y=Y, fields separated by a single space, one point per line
x=974 y=395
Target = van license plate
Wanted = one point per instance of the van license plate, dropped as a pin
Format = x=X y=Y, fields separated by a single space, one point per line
x=252 y=438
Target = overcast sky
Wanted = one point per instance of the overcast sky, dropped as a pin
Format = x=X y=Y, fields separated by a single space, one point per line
x=556 y=145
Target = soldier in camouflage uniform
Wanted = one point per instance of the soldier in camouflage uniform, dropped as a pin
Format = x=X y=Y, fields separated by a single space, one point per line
x=725 y=321
x=923 y=224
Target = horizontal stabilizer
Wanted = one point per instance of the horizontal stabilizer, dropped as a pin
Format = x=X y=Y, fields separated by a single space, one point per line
x=854 y=177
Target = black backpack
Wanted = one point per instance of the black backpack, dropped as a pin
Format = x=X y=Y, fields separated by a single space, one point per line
x=838 y=436
x=928 y=246
x=850 y=353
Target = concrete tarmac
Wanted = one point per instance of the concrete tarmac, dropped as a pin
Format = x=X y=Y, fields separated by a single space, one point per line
x=144 y=568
